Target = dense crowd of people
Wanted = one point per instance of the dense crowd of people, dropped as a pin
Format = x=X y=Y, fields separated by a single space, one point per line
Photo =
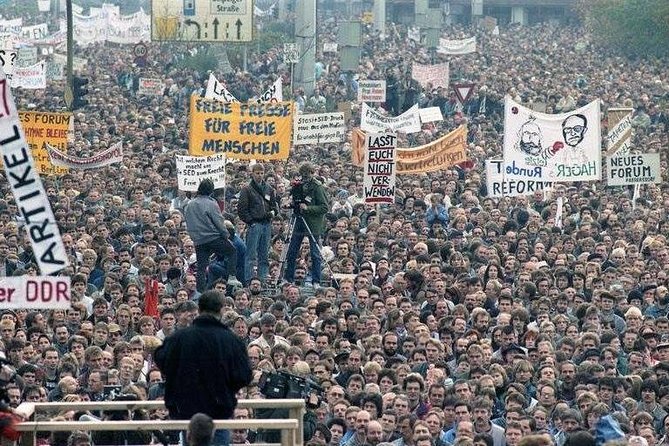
x=448 y=318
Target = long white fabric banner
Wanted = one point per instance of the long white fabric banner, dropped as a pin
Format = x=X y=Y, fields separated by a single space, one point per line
x=455 y=47
x=372 y=121
x=112 y=155
x=563 y=147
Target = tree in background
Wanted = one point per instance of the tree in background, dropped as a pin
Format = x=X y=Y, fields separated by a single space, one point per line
x=636 y=28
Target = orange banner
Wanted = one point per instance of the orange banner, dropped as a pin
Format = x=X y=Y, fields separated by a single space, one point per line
x=440 y=154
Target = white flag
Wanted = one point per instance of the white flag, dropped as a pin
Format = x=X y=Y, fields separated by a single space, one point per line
x=217 y=91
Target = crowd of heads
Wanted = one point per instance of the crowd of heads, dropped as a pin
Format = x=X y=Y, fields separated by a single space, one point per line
x=446 y=318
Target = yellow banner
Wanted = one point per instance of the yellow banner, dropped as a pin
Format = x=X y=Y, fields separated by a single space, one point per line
x=41 y=128
x=241 y=131
x=440 y=154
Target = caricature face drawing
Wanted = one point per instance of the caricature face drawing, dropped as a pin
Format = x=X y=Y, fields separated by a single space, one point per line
x=574 y=129
x=530 y=138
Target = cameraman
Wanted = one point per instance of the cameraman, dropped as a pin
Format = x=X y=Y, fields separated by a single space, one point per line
x=311 y=206
x=207 y=229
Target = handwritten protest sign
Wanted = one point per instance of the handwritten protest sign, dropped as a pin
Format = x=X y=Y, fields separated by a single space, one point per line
x=149 y=86
x=372 y=121
x=379 y=179
x=240 y=131
x=430 y=114
x=26 y=56
x=371 y=91
x=38 y=292
x=436 y=75
x=112 y=155
x=191 y=170
x=31 y=200
x=216 y=90
x=42 y=128
x=499 y=185
x=440 y=154
x=8 y=61
x=273 y=94
x=30 y=78
x=642 y=168
x=319 y=128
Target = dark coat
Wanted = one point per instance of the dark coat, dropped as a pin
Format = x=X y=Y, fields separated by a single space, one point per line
x=204 y=367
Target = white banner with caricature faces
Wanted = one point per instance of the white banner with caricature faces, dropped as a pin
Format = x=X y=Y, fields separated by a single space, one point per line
x=561 y=148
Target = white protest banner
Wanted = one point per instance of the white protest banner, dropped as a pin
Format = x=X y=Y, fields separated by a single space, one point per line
x=499 y=186
x=35 y=292
x=129 y=29
x=149 y=86
x=430 y=114
x=112 y=155
x=89 y=29
x=216 y=90
x=455 y=47
x=273 y=94
x=619 y=137
x=374 y=122
x=319 y=128
x=642 y=168
x=44 y=5
x=330 y=47
x=436 y=75
x=371 y=91
x=27 y=56
x=380 y=175
x=36 y=32
x=8 y=59
x=12 y=26
x=191 y=170
x=563 y=147
x=30 y=78
x=27 y=189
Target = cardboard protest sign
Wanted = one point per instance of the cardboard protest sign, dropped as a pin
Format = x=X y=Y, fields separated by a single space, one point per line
x=12 y=26
x=380 y=175
x=240 y=131
x=330 y=47
x=112 y=155
x=30 y=78
x=35 y=292
x=216 y=90
x=319 y=128
x=46 y=128
x=499 y=186
x=562 y=147
x=26 y=56
x=446 y=151
x=149 y=86
x=27 y=189
x=642 y=168
x=191 y=170
x=436 y=75
x=371 y=91
x=456 y=47
x=619 y=137
x=430 y=114
x=8 y=61
x=373 y=121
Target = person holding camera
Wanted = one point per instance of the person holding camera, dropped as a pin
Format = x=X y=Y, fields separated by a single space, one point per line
x=206 y=227
x=311 y=205
x=256 y=207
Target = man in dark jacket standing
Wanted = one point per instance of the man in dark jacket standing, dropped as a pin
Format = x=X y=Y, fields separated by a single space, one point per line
x=257 y=205
x=206 y=227
x=204 y=366
x=310 y=218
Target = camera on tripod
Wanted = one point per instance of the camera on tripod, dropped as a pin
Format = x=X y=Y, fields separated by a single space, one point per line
x=284 y=385
x=297 y=194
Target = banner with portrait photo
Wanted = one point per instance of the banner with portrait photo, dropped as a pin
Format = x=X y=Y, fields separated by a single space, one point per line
x=563 y=147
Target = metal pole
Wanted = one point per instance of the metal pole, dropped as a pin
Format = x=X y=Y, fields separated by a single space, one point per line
x=70 y=55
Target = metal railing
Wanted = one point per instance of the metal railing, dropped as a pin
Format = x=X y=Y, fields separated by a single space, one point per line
x=291 y=428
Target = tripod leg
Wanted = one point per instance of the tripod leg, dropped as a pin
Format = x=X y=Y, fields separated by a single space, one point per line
x=284 y=253
x=314 y=240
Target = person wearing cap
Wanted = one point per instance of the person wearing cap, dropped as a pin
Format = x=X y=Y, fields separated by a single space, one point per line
x=206 y=227
x=310 y=220
x=256 y=207
x=204 y=366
